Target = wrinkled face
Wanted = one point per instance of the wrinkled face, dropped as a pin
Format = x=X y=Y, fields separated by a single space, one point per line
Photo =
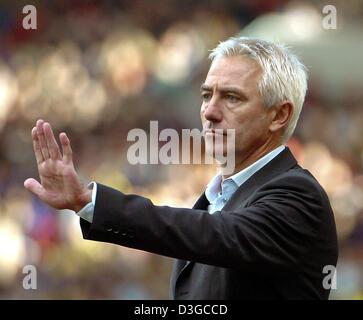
x=231 y=100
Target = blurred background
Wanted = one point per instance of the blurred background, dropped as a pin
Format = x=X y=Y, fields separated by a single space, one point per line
x=97 y=69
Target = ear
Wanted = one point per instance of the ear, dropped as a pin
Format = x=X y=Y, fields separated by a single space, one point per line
x=280 y=116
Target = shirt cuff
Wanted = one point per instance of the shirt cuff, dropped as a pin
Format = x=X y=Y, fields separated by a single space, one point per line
x=87 y=211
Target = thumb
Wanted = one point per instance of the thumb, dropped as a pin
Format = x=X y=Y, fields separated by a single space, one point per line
x=33 y=186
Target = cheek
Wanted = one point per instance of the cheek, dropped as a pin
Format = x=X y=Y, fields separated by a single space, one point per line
x=250 y=128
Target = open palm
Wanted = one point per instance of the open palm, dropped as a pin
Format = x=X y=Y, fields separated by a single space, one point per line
x=60 y=186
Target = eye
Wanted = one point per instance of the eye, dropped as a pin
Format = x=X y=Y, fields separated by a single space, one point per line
x=206 y=96
x=232 y=99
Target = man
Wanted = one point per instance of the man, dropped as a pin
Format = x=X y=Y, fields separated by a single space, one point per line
x=265 y=232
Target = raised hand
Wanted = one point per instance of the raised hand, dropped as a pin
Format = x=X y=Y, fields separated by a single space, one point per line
x=60 y=186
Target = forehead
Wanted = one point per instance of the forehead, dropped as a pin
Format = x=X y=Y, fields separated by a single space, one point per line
x=234 y=70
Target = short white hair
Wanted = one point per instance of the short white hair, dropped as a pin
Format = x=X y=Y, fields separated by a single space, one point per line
x=284 y=76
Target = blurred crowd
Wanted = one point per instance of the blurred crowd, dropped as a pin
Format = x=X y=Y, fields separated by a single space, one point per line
x=99 y=69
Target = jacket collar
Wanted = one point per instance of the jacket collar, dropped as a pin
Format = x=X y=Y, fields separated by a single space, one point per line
x=281 y=163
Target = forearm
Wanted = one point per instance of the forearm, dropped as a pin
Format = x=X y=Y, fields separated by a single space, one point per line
x=229 y=239
x=133 y=221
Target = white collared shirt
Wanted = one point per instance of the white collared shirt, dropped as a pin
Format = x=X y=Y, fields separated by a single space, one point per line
x=218 y=192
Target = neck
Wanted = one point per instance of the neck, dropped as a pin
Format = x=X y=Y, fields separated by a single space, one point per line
x=245 y=160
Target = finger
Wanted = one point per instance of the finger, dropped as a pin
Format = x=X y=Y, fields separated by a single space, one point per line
x=34 y=186
x=36 y=146
x=41 y=138
x=52 y=144
x=66 y=147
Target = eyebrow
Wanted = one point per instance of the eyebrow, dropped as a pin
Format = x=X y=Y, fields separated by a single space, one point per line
x=225 y=89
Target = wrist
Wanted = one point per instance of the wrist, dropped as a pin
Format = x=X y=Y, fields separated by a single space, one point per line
x=82 y=200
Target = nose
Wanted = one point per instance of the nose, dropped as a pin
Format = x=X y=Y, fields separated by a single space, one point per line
x=213 y=112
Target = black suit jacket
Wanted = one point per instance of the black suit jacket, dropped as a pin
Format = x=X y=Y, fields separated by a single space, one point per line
x=271 y=240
